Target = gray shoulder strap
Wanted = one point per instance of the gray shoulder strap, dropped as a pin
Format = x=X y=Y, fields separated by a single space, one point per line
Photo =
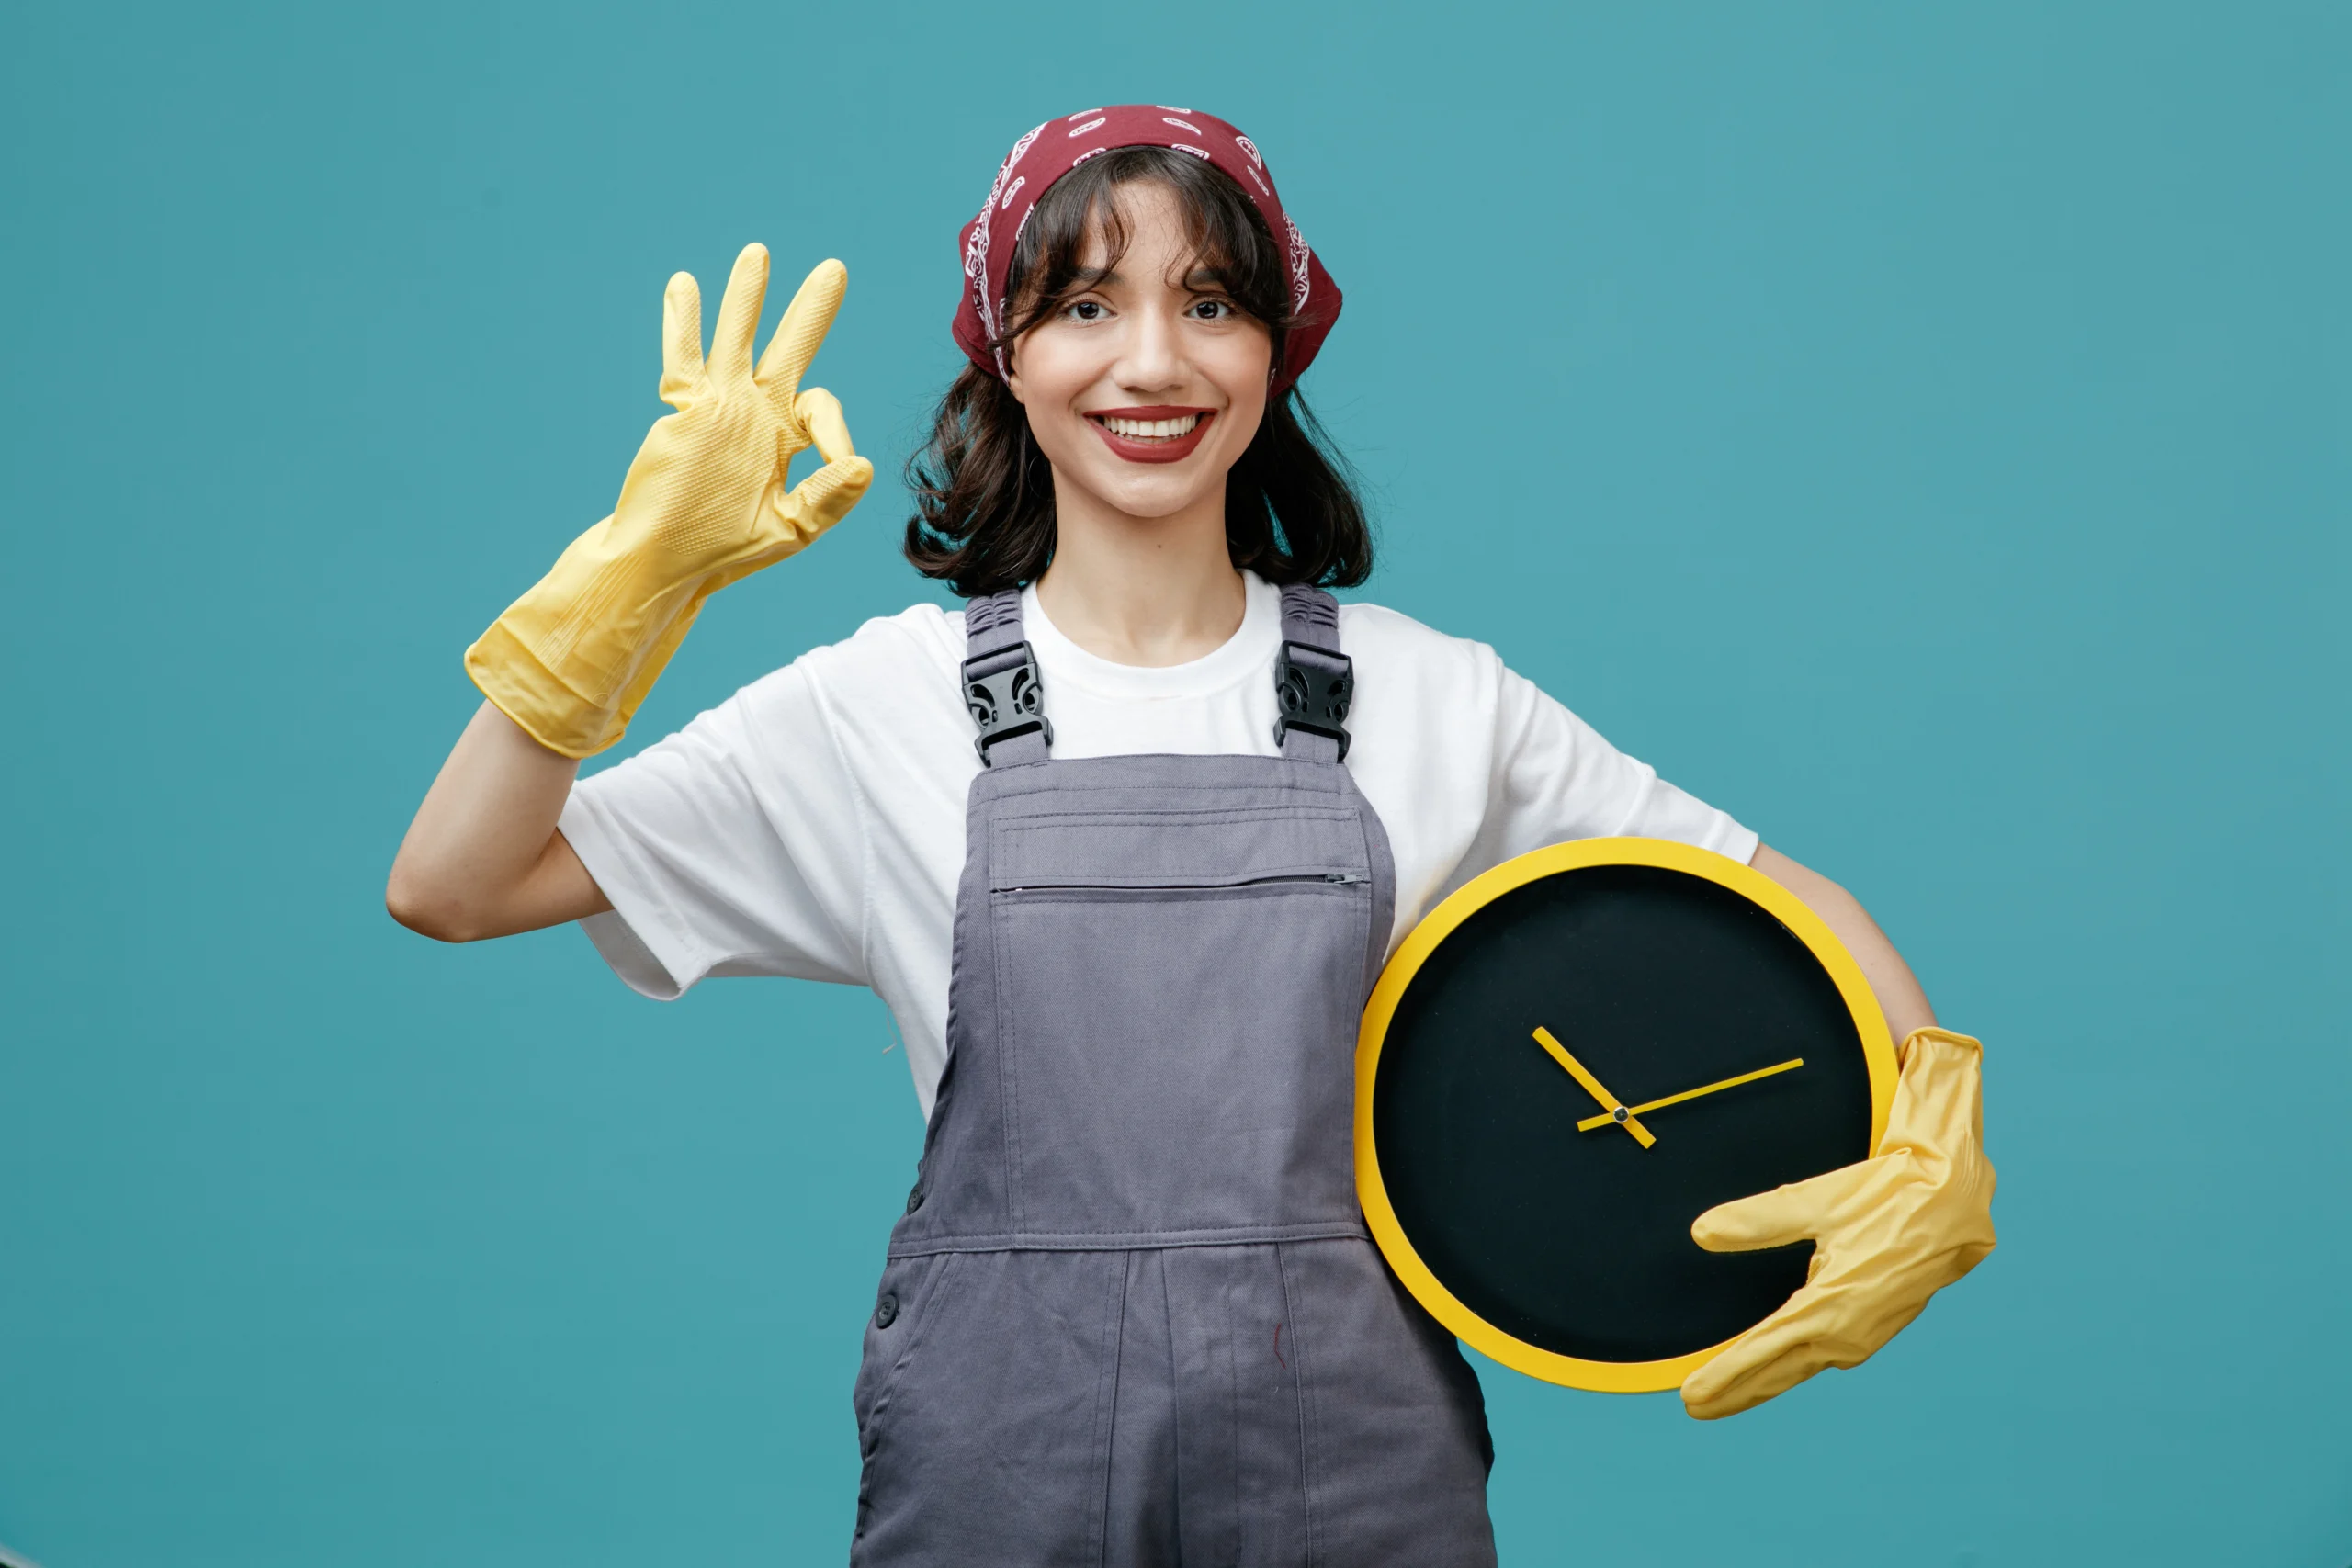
x=1314 y=682
x=1311 y=616
x=992 y=622
x=1002 y=687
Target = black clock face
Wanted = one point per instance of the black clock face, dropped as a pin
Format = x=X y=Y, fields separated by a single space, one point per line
x=1655 y=983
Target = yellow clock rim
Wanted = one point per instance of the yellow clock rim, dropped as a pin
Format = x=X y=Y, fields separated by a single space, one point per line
x=1878 y=1052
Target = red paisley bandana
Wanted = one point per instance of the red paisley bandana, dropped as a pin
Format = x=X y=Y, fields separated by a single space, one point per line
x=1056 y=147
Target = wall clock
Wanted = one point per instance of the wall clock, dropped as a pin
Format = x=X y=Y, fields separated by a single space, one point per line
x=1573 y=1056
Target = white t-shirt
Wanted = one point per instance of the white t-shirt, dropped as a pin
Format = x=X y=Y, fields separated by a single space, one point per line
x=812 y=825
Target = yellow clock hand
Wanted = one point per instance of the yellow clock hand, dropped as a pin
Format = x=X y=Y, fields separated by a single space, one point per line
x=1616 y=1111
x=1589 y=1123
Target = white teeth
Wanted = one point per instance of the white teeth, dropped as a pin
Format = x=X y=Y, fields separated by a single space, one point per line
x=1149 y=428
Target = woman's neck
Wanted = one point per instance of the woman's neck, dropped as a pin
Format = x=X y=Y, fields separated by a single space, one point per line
x=1142 y=591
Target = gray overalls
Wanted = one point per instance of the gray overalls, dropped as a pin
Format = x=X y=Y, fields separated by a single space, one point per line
x=1132 y=1316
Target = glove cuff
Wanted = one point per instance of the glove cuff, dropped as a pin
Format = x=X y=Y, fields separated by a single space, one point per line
x=571 y=659
x=536 y=698
x=1943 y=1036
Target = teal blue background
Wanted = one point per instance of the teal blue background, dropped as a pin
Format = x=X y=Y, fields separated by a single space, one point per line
x=1921 y=431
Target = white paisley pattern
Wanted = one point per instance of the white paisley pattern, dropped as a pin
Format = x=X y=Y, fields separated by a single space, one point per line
x=1299 y=285
x=975 y=253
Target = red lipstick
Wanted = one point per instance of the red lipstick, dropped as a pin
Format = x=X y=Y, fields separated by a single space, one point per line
x=1151 y=449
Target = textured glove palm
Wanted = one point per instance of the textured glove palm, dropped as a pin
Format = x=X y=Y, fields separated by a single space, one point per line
x=705 y=504
x=1887 y=1233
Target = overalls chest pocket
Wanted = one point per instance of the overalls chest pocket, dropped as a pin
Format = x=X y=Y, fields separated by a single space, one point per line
x=1178 y=986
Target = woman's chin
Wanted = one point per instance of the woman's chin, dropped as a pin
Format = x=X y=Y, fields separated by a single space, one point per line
x=1163 y=491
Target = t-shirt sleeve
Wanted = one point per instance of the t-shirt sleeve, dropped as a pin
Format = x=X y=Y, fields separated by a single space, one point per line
x=1556 y=778
x=732 y=846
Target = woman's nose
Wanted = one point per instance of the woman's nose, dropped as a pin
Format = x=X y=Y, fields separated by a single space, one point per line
x=1154 y=359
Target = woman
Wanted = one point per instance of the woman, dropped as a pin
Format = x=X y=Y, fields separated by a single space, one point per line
x=1122 y=848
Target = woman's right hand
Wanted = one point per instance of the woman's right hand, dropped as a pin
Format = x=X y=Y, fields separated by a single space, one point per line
x=708 y=488
x=705 y=504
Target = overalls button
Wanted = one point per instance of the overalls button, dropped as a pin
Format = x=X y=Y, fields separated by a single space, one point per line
x=915 y=1198
x=887 y=1313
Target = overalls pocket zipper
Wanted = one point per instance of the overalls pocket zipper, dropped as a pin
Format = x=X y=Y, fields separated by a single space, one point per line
x=1315 y=879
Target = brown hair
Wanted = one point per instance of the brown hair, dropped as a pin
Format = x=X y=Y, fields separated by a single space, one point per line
x=984 y=493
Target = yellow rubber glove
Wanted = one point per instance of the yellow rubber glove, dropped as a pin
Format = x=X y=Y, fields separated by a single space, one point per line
x=704 y=506
x=1887 y=1233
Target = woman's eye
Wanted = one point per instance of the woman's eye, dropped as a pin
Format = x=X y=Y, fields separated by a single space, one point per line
x=1213 y=310
x=1085 y=311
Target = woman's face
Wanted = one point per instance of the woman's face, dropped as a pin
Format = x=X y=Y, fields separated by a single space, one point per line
x=1144 y=389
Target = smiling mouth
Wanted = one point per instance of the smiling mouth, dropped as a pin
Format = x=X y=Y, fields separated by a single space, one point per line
x=1155 y=434
x=1149 y=429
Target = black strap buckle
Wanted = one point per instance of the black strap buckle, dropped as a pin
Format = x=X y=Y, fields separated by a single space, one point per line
x=1005 y=696
x=1314 y=687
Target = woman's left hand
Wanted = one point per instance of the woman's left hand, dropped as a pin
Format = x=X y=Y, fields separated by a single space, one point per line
x=1887 y=1233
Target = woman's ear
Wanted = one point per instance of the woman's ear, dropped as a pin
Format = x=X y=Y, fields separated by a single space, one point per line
x=1012 y=372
